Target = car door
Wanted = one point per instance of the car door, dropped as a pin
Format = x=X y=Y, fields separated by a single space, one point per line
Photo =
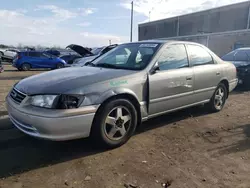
x=34 y=59
x=47 y=60
x=171 y=86
x=207 y=72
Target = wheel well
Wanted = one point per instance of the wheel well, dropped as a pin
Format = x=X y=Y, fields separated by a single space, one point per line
x=225 y=82
x=129 y=97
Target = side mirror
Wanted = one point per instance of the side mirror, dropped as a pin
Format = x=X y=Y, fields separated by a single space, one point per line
x=156 y=68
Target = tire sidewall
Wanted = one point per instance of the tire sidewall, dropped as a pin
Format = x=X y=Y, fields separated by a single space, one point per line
x=99 y=123
x=28 y=67
x=59 y=65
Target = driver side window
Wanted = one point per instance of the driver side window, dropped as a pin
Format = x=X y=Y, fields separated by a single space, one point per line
x=173 y=57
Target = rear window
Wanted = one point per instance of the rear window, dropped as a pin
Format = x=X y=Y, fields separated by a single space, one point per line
x=229 y=56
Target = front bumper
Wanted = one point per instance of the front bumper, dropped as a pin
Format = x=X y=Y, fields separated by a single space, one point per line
x=51 y=124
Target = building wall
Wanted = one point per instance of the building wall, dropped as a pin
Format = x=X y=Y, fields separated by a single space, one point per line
x=227 y=18
x=222 y=29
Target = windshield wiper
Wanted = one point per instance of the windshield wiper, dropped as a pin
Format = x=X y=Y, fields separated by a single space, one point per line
x=106 y=65
x=90 y=64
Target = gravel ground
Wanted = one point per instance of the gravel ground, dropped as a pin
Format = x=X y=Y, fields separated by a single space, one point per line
x=190 y=148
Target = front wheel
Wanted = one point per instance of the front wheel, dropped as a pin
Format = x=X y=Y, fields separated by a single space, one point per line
x=59 y=65
x=218 y=100
x=114 y=123
x=25 y=67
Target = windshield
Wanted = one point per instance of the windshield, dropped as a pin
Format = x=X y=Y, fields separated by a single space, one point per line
x=96 y=51
x=134 y=56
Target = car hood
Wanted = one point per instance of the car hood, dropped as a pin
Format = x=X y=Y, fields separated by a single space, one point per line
x=63 y=80
x=79 y=49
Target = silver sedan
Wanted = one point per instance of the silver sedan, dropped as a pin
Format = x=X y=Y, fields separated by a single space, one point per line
x=115 y=93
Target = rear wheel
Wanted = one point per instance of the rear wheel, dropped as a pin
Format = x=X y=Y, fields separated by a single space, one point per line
x=25 y=67
x=218 y=100
x=115 y=123
x=59 y=65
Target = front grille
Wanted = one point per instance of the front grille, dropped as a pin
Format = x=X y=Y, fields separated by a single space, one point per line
x=17 y=96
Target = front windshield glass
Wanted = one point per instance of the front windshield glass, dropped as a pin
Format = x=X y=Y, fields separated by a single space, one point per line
x=134 y=56
x=96 y=51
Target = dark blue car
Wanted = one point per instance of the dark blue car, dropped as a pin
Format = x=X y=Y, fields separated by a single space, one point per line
x=241 y=59
x=33 y=59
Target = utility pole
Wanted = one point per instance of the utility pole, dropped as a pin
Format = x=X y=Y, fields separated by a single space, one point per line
x=131 y=27
x=149 y=16
x=110 y=42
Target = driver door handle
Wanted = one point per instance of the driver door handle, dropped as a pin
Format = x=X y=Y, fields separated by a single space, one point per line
x=189 y=78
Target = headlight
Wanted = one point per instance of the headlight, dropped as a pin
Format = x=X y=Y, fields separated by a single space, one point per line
x=69 y=101
x=57 y=101
x=45 y=101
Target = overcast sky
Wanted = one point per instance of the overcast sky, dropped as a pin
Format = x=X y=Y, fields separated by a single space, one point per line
x=85 y=22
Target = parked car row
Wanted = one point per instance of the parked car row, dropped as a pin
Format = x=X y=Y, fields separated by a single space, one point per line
x=26 y=60
x=109 y=97
x=97 y=52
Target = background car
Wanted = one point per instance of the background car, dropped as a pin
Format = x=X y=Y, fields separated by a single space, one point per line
x=69 y=59
x=241 y=59
x=35 y=59
x=97 y=52
x=8 y=54
x=1 y=66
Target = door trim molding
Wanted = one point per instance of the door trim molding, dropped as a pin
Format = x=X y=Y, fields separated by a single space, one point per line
x=171 y=97
x=204 y=90
x=179 y=108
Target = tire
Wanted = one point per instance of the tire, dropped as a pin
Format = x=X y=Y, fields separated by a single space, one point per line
x=218 y=99
x=25 y=67
x=20 y=69
x=113 y=127
x=59 y=66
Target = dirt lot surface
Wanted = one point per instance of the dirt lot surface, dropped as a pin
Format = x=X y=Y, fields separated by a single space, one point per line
x=190 y=148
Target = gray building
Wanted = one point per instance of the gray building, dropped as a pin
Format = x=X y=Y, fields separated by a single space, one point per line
x=221 y=29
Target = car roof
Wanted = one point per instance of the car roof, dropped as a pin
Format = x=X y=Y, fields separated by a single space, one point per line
x=246 y=48
x=163 y=41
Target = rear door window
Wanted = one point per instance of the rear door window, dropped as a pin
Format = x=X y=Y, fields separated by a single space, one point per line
x=173 y=57
x=34 y=54
x=199 y=56
x=241 y=56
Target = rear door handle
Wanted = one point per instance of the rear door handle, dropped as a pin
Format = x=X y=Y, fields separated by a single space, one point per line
x=217 y=73
x=189 y=78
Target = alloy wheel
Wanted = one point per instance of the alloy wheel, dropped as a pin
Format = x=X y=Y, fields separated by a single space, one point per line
x=117 y=123
x=219 y=98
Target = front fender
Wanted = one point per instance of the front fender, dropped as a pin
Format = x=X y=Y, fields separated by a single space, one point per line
x=113 y=92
